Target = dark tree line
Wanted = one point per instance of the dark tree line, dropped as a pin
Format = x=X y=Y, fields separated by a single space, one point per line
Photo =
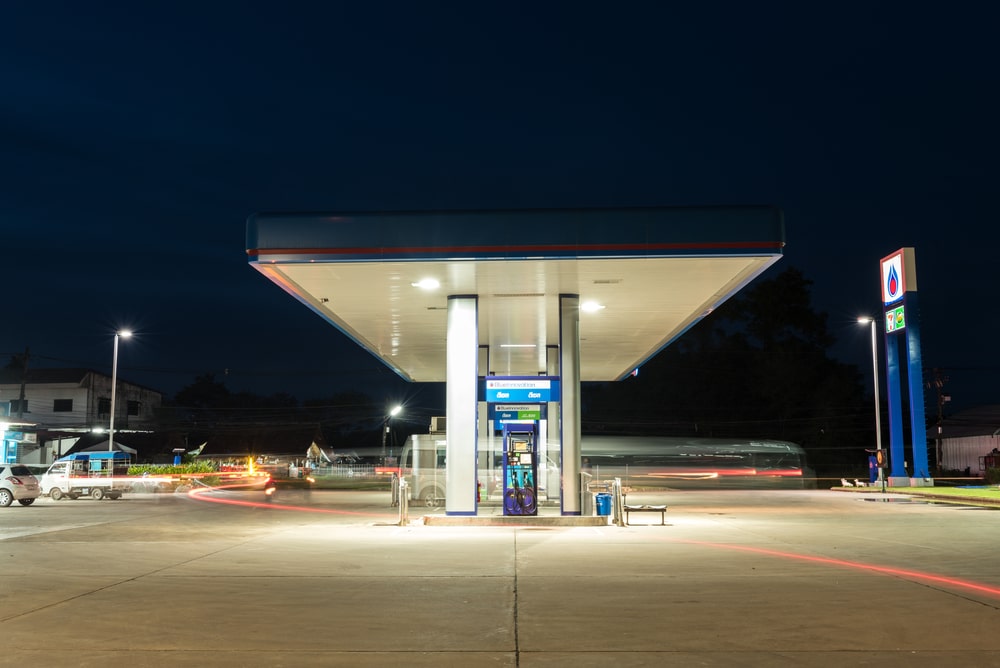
x=347 y=419
x=757 y=367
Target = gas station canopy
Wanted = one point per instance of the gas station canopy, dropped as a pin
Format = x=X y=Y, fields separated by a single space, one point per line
x=643 y=277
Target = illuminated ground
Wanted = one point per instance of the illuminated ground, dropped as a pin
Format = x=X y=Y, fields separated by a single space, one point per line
x=747 y=578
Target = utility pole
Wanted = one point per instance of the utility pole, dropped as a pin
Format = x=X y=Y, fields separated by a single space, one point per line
x=24 y=380
x=938 y=384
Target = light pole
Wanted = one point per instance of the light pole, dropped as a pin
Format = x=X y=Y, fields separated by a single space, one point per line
x=878 y=420
x=385 y=427
x=114 y=383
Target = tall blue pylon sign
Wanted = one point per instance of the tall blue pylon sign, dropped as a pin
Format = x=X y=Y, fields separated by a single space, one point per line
x=902 y=325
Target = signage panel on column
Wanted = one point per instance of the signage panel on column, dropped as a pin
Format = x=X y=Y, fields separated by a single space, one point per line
x=517 y=412
x=530 y=389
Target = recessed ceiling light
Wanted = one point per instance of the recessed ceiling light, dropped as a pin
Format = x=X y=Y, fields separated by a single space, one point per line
x=427 y=284
x=590 y=307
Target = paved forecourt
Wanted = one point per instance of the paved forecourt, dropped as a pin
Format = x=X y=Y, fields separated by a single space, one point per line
x=327 y=578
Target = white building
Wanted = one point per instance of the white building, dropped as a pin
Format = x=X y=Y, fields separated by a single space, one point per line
x=969 y=440
x=61 y=404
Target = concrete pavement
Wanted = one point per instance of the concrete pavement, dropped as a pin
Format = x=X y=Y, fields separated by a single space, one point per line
x=326 y=578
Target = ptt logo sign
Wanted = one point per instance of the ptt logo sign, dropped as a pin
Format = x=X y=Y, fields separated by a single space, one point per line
x=894 y=272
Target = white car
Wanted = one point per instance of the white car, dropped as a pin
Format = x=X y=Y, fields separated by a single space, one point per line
x=17 y=484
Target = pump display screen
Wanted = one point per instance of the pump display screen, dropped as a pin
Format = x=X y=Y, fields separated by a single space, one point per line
x=526 y=459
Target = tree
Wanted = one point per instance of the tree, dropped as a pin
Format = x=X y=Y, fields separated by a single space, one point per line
x=758 y=368
x=19 y=361
x=205 y=392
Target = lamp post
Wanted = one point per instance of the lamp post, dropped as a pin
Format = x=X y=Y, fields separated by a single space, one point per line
x=385 y=427
x=878 y=420
x=114 y=383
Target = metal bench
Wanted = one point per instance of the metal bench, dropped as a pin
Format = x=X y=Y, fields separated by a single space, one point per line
x=645 y=508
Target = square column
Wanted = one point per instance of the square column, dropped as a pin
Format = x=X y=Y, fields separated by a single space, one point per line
x=553 y=480
x=569 y=376
x=915 y=382
x=460 y=403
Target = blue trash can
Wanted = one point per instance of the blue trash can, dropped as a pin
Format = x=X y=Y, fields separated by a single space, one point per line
x=603 y=501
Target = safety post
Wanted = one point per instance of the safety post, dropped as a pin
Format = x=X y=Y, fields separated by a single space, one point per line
x=617 y=503
x=586 y=496
x=404 y=503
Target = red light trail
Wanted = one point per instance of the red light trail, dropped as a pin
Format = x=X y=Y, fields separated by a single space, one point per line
x=921 y=576
x=957 y=583
x=200 y=495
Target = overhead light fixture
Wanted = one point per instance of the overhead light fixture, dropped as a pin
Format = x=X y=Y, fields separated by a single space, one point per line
x=518 y=345
x=427 y=284
x=591 y=307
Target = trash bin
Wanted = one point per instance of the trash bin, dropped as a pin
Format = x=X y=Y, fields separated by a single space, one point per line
x=603 y=501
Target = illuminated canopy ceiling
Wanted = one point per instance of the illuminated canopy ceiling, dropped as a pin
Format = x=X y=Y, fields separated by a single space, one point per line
x=651 y=272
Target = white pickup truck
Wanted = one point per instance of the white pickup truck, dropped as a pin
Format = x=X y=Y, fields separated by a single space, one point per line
x=96 y=474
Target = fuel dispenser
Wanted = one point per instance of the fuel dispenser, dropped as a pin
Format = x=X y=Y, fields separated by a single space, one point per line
x=520 y=469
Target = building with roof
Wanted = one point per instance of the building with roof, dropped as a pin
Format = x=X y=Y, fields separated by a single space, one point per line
x=968 y=440
x=61 y=405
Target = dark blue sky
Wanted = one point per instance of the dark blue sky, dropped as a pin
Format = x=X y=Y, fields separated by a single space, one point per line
x=137 y=138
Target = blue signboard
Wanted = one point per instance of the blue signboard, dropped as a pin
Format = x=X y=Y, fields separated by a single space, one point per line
x=529 y=390
x=9 y=451
x=517 y=412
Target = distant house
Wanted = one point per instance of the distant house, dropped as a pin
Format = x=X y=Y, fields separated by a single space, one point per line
x=968 y=440
x=63 y=404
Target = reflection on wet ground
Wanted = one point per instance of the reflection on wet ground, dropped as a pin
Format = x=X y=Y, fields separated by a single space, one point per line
x=928 y=502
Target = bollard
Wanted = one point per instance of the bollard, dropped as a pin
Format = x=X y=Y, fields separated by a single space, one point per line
x=394 y=498
x=617 y=502
x=404 y=503
x=586 y=496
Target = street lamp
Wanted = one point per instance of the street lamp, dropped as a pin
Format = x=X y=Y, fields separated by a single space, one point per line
x=114 y=382
x=385 y=427
x=878 y=420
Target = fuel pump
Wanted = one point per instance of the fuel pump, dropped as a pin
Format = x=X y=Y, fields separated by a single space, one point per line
x=520 y=469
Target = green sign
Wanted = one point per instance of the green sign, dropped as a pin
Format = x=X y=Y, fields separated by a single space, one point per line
x=895 y=319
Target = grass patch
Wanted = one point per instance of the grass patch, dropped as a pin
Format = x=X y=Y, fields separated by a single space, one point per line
x=985 y=496
x=991 y=493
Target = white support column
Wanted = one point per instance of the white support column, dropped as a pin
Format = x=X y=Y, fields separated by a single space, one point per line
x=462 y=379
x=484 y=361
x=553 y=479
x=569 y=367
x=484 y=438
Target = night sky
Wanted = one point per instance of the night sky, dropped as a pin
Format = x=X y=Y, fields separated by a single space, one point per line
x=137 y=138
